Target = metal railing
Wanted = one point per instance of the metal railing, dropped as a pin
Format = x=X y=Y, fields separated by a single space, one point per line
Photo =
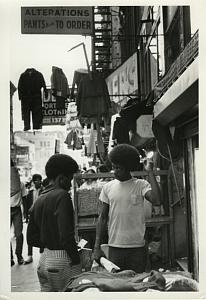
x=185 y=58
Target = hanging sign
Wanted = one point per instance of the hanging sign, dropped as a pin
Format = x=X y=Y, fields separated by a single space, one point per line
x=57 y=20
x=144 y=126
x=52 y=115
x=22 y=154
x=124 y=81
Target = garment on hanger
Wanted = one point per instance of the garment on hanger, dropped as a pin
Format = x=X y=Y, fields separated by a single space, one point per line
x=69 y=139
x=133 y=111
x=100 y=143
x=93 y=97
x=73 y=140
x=121 y=131
x=59 y=86
x=91 y=149
x=165 y=141
x=29 y=91
x=78 y=75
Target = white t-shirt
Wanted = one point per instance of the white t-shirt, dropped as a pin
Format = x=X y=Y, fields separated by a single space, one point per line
x=126 y=211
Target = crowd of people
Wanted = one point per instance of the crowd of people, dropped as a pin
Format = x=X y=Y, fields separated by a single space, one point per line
x=49 y=211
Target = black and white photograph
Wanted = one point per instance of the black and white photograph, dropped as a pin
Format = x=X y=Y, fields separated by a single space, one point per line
x=102 y=149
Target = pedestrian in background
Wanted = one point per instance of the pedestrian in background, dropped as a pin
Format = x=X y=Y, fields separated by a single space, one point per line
x=17 y=193
x=51 y=226
x=33 y=194
x=89 y=183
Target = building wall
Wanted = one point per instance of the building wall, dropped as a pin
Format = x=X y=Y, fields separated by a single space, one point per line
x=160 y=34
x=178 y=200
x=44 y=147
x=26 y=166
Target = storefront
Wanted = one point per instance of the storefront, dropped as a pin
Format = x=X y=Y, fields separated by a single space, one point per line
x=177 y=109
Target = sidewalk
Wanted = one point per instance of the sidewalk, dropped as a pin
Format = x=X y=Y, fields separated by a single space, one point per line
x=24 y=277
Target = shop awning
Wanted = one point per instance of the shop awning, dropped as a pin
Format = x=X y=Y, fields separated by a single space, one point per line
x=180 y=97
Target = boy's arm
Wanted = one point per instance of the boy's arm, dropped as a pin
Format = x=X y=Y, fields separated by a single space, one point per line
x=154 y=195
x=100 y=230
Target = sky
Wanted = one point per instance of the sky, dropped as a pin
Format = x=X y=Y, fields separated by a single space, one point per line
x=41 y=52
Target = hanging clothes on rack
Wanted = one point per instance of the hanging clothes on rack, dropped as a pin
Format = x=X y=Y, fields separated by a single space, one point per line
x=100 y=143
x=133 y=110
x=121 y=131
x=78 y=75
x=73 y=140
x=59 y=86
x=29 y=91
x=91 y=148
x=69 y=140
x=93 y=98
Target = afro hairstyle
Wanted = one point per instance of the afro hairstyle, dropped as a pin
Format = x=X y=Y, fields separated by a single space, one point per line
x=60 y=164
x=125 y=155
x=36 y=177
x=103 y=169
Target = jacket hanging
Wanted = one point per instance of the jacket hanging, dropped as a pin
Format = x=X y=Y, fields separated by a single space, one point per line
x=93 y=97
x=29 y=90
x=78 y=75
x=59 y=86
x=121 y=131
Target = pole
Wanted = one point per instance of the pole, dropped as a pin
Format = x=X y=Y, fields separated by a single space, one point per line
x=86 y=57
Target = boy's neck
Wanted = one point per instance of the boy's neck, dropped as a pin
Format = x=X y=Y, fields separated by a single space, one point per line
x=127 y=177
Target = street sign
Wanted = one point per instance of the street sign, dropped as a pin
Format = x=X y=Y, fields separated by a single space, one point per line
x=57 y=20
x=52 y=115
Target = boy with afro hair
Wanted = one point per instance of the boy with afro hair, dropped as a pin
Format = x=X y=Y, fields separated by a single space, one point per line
x=122 y=210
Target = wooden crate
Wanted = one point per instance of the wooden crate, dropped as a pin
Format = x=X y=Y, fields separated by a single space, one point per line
x=88 y=202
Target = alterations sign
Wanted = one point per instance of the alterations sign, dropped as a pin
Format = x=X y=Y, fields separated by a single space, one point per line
x=57 y=20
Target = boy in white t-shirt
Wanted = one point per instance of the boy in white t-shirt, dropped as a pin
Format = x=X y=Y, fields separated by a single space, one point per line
x=123 y=210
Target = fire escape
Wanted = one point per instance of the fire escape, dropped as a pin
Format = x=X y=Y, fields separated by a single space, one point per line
x=102 y=39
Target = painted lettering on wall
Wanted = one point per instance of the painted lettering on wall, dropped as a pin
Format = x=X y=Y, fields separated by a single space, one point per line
x=124 y=80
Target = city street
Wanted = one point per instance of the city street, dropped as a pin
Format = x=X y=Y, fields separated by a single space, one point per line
x=24 y=277
x=103 y=107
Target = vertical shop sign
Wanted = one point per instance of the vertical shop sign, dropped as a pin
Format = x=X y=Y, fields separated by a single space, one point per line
x=124 y=81
x=52 y=115
x=22 y=154
x=57 y=20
